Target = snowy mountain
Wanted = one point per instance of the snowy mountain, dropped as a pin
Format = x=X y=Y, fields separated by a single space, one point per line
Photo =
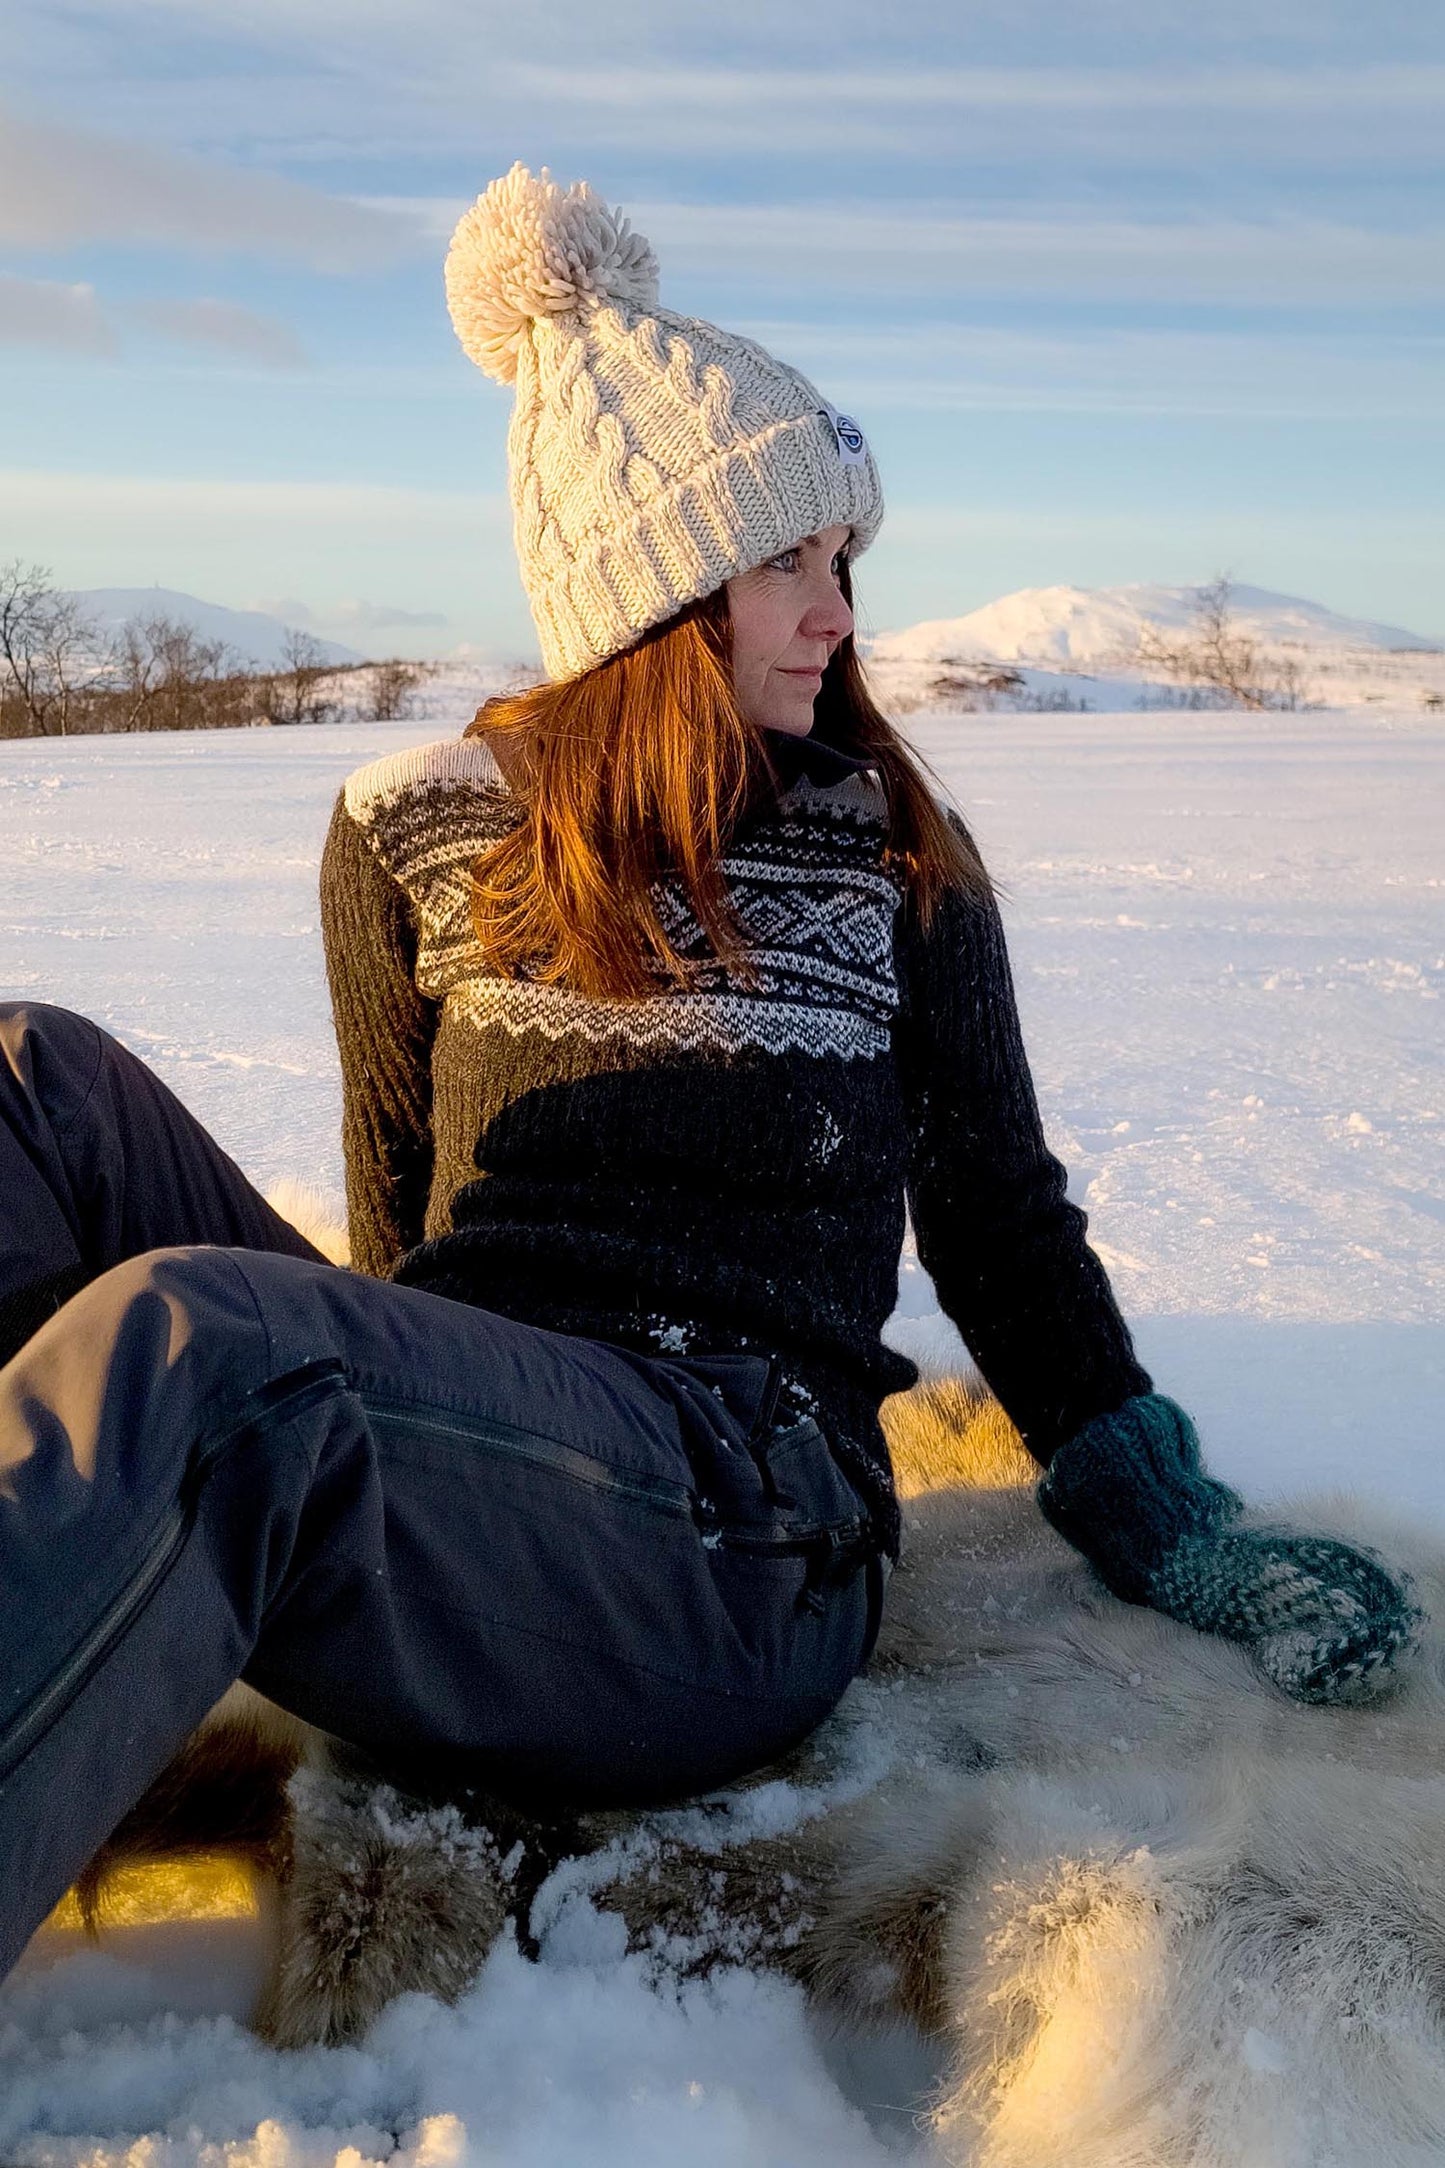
x=1073 y=645
x=1093 y=628
x=250 y=634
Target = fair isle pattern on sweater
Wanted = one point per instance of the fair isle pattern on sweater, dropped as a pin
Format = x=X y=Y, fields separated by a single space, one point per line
x=714 y=1170
x=809 y=893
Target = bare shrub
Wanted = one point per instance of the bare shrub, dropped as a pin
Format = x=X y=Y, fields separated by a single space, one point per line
x=1219 y=655
x=976 y=685
x=980 y=688
x=166 y=676
x=392 y=686
x=52 y=655
x=1054 y=700
x=1196 y=698
x=295 y=694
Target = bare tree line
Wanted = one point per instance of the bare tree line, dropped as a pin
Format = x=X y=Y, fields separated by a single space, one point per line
x=62 y=674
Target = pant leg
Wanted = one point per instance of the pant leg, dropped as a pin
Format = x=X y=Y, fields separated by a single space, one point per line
x=99 y=1161
x=422 y=1526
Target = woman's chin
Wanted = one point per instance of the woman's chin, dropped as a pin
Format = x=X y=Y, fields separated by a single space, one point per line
x=794 y=716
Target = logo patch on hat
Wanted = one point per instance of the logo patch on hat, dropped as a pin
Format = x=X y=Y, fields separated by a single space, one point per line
x=849 y=438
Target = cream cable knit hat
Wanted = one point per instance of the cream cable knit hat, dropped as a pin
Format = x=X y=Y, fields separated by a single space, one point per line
x=652 y=456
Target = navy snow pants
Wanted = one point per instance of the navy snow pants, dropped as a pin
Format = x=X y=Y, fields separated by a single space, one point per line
x=584 y=1575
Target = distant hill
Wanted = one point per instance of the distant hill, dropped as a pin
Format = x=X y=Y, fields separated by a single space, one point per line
x=250 y=634
x=1072 y=647
x=1097 y=628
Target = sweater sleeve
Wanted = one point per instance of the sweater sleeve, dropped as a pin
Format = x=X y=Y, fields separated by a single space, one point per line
x=996 y=1232
x=384 y=1029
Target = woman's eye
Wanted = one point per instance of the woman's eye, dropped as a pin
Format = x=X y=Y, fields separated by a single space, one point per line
x=838 y=562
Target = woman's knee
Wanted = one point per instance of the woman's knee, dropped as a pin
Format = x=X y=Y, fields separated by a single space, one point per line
x=169 y=1324
x=46 y=1020
x=55 y=1053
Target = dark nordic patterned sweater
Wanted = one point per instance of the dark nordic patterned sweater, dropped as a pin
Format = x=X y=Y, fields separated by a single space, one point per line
x=713 y=1169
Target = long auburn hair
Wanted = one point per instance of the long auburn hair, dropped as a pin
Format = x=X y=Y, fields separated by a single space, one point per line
x=645 y=765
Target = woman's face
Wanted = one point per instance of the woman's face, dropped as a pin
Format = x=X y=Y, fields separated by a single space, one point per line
x=788 y=616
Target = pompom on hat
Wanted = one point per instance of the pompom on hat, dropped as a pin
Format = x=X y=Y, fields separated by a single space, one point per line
x=652 y=456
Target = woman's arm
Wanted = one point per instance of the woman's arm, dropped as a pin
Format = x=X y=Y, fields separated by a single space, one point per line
x=384 y=1029
x=1004 y=1245
x=1126 y=1483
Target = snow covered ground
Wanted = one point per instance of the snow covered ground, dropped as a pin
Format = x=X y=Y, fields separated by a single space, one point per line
x=1228 y=936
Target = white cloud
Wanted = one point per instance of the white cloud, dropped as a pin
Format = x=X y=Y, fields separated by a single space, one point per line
x=64 y=187
x=1280 y=262
x=1120 y=116
x=445 y=24
x=74 y=319
x=466 y=80
x=1104 y=87
x=997 y=88
x=917 y=252
x=355 y=616
x=224 y=327
x=935 y=368
x=43 y=312
x=399 y=512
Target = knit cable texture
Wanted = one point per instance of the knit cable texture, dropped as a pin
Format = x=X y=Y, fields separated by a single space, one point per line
x=1324 y=1619
x=652 y=456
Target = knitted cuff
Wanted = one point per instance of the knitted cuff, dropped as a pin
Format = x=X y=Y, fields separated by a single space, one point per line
x=1328 y=1621
x=1129 y=1487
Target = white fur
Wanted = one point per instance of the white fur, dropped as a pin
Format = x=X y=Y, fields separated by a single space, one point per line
x=1169 y=1919
x=312 y=1212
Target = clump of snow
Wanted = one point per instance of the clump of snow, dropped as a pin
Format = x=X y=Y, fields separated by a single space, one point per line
x=669 y=1339
x=581 y=2058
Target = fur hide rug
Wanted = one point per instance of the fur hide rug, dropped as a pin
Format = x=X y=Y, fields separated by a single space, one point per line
x=1157 y=1915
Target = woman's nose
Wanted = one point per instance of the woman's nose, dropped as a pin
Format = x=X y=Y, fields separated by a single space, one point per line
x=830 y=618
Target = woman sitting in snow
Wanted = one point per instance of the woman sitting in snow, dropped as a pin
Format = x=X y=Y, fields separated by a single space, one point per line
x=656 y=994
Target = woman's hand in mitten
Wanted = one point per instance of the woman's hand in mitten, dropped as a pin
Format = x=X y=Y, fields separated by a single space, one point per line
x=1326 y=1620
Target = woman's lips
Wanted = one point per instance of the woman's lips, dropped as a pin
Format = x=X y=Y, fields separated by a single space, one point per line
x=804 y=673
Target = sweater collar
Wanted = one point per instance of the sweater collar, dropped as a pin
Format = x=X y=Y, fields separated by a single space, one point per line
x=793 y=755
x=812 y=756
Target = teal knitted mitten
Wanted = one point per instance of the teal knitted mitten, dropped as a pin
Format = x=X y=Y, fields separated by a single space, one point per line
x=1324 y=1619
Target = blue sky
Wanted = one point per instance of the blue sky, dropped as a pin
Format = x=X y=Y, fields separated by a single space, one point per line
x=1124 y=291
